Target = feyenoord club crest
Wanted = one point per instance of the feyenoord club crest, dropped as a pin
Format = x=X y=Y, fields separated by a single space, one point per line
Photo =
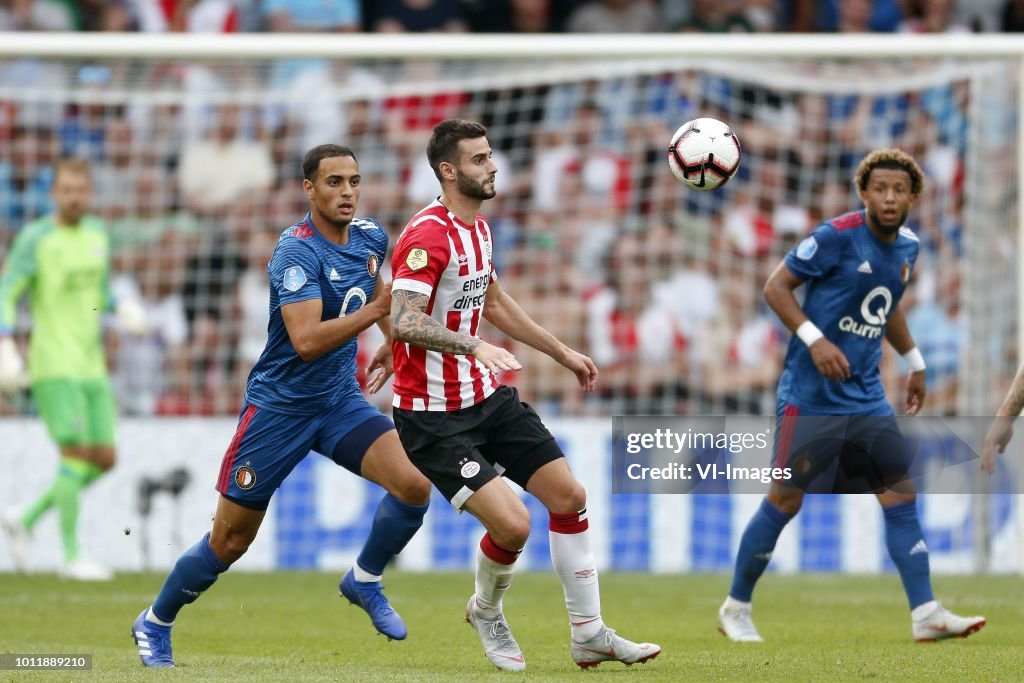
x=372 y=265
x=245 y=478
x=905 y=272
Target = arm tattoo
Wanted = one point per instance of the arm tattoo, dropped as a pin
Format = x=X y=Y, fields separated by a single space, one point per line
x=411 y=324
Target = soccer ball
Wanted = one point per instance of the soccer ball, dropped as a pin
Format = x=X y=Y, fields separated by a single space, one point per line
x=704 y=154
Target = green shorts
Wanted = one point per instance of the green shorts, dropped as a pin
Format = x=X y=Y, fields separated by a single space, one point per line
x=77 y=412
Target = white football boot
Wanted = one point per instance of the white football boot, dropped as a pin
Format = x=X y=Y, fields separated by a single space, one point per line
x=82 y=569
x=940 y=623
x=17 y=539
x=608 y=646
x=499 y=645
x=735 y=623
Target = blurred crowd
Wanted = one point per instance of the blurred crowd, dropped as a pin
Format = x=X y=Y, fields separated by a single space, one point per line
x=515 y=16
x=594 y=236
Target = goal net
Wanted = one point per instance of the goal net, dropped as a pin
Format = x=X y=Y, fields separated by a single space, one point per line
x=196 y=169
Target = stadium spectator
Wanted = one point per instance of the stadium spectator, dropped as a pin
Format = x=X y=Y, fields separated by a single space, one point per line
x=931 y=16
x=36 y=15
x=858 y=16
x=145 y=371
x=116 y=171
x=507 y=16
x=26 y=176
x=190 y=16
x=717 y=16
x=289 y=16
x=738 y=351
x=417 y=16
x=577 y=148
x=616 y=16
x=1012 y=16
x=84 y=124
x=641 y=347
x=553 y=289
x=219 y=169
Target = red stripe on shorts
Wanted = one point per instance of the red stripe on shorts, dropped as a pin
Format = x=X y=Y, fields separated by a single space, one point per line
x=228 y=463
x=788 y=426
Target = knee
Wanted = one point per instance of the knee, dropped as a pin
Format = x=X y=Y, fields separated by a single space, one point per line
x=412 y=490
x=229 y=547
x=513 y=531
x=104 y=458
x=569 y=498
x=787 y=503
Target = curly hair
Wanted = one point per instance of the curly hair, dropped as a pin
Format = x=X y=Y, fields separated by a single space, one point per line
x=894 y=159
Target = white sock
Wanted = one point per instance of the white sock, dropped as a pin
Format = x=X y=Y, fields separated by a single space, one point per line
x=733 y=604
x=923 y=610
x=492 y=577
x=573 y=559
x=151 y=618
x=363 y=576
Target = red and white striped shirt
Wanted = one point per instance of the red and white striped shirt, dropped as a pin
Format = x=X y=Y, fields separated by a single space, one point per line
x=450 y=262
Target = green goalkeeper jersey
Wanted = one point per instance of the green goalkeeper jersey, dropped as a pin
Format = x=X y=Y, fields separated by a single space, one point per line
x=65 y=271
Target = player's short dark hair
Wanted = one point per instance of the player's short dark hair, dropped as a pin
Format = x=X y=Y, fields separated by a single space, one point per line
x=71 y=165
x=311 y=162
x=444 y=141
x=892 y=159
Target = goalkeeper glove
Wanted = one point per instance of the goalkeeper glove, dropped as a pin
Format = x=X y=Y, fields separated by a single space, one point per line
x=12 y=368
x=131 y=317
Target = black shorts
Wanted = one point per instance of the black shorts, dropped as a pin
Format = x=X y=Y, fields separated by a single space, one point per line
x=461 y=450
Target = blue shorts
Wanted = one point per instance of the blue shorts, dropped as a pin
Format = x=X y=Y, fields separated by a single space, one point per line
x=268 y=445
x=839 y=453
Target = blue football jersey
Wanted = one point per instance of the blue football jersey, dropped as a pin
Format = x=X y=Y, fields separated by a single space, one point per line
x=344 y=276
x=853 y=280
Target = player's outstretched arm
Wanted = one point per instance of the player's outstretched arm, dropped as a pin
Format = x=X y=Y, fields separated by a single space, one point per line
x=830 y=361
x=313 y=337
x=411 y=324
x=1001 y=430
x=502 y=311
x=898 y=334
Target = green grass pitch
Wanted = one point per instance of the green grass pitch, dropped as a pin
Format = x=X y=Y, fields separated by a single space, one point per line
x=291 y=626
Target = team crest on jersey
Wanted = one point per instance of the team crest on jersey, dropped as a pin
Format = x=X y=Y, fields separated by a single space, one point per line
x=294 y=278
x=416 y=259
x=245 y=478
x=905 y=272
x=372 y=264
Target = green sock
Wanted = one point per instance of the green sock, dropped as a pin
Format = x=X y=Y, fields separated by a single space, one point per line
x=75 y=474
x=43 y=503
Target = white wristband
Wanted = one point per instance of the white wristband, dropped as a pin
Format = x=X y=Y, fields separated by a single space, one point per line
x=915 y=361
x=808 y=332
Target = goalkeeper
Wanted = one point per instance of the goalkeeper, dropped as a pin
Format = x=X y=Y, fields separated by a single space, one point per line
x=61 y=261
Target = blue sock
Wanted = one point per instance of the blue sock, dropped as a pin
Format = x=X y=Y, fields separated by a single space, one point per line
x=393 y=525
x=194 y=572
x=756 y=548
x=908 y=551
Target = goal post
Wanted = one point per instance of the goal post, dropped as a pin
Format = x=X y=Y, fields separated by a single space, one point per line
x=658 y=284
